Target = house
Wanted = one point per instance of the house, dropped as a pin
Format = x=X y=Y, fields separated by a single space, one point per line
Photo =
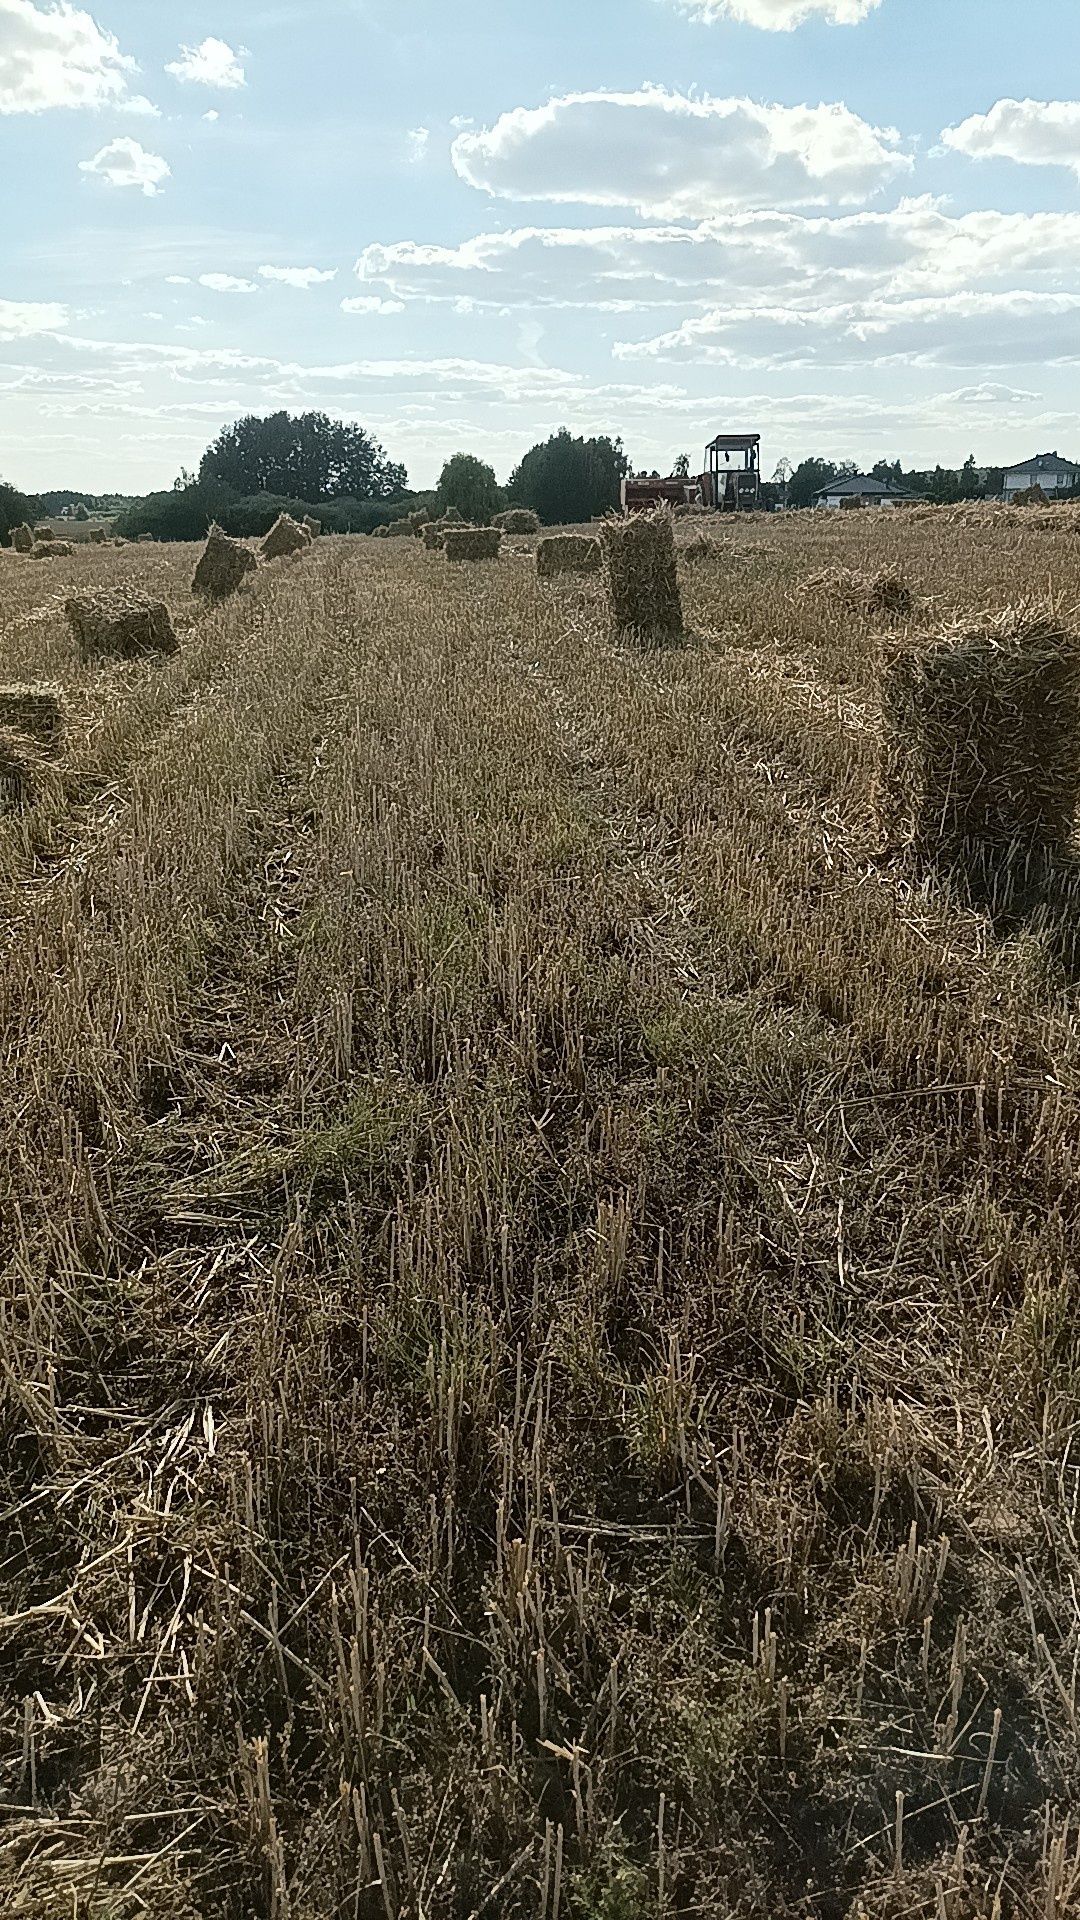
x=862 y=490
x=1049 y=471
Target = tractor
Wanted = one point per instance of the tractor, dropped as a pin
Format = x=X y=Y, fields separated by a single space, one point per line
x=731 y=482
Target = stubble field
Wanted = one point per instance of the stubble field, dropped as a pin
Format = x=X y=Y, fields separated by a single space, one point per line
x=539 y=1339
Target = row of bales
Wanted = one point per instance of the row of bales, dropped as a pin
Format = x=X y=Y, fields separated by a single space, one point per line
x=121 y=623
x=41 y=543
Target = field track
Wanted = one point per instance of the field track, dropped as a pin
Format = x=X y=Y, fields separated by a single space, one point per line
x=539 y=1327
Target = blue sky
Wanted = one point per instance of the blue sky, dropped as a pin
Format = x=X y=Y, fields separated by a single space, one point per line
x=850 y=225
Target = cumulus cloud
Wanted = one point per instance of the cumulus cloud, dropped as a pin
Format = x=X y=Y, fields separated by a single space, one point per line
x=301 y=277
x=20 y=318
x=372 y=303
x=1035 y=133
x=912 y=248
x=988 y=393
x=226 y=283
x=667 y=155
x=211 y=64
x=124 y=163
x=780 y=16
x=57 y=57
x=957 y=330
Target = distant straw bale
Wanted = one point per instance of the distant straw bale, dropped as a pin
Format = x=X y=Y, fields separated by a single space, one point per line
x=884 y=593
x=22 y=539
x=432 y=536
x=401 y=530
x=43 y=532
x=560 y=553
x=120 y=624
x=35 y=712
x=97 y=537
x=380 y=533
x=518 y=520
x=1030 y=497
x=51 y=550
x=980 y=734
x=472 y=543
x=285 y=536
x=642 y=577
x=419 y=520
x=311 y=525
x=224 y=565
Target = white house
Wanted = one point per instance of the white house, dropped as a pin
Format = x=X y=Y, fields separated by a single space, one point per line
x=1048 y=470
x=864 y=491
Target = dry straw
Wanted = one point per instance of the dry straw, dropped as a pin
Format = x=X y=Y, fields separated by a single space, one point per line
x=35 y=712
x=980 y=734
x=401 y=530
x=567 y=553
x=120 y=624
x=432 y=536
x=22 y=770
x=43 y=532
x=22 y=539
x=97 y=537
x=224 y=565
x=518 y=520
x=285 y=536
x=642 y=577
x=51 y=549
x=472 y=543
x=884 y=593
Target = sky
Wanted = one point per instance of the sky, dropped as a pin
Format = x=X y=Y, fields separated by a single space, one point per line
x=852 y=226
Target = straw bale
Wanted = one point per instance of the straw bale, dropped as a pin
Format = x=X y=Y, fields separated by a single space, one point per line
x=980 y=734
x=472 y=543
x=44 y=532
x=224 y=565
x=311 y=525
x=120 y=623
x=400 y=530
x=22 y=539
x=884 y=593
x=432 y=536
x=35 y=712
x=518 y=520
x=560 y=553
x=285 y=536
x=642 y=577
x=51 y=550
x=97 y=537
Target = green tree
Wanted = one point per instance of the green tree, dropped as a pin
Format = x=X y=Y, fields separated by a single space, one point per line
x=82 y=511
x=304 y=456
x=970 y=486
x=567 y=481
x=808 y=479
x=681 y=469
x=15 y=509
x=470 y=485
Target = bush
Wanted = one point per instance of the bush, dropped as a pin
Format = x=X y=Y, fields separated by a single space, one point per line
x=16 y=510
x=187 y=513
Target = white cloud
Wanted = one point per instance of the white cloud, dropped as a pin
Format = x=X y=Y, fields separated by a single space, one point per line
x=124 y=163
x=211 y=64
x=956 y=330
x=675 y=157
x=57 y=57
x=140 y=106
x=1035 y=133
x=177 y=280
x=211 y=115
x=371 y=303
x=989 y=393
x=226 y=283
x=916 y=247
x=419 y=139
x=300 y=277
x=780 y=16
x=20 y=318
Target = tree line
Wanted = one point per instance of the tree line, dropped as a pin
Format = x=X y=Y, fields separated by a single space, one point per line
x=942 y=486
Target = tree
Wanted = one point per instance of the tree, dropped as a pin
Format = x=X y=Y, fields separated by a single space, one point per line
x=681 y=469
x=970 y=485
x=470 y=485
x=808 y=479
x=15 y=509
x=82 y=511
x=567 y=481
x=305 y=456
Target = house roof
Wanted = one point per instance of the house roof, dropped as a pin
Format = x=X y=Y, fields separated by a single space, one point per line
x=864 y=483
x=1044 y=463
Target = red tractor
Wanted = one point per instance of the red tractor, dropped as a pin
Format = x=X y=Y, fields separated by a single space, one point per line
x=731 y=482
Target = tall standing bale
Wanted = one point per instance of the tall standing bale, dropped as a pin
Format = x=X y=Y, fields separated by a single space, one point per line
x=980 y=735
x=642 y=576
x=518 y=520
x=224 y=565
x=311 y=525
x=22 y=539
x=35 y=712
x=560 y=553
x=472 y=543
x=284 y=537
x=120 y=624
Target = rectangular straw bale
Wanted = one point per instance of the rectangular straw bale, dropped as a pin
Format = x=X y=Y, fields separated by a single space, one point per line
x=35 y=712
x=642 y=577
x=517 y=520
x=472 y=543
x=22 y=539
x=560 y=553
x=285 y=536
x=224 y=565
x=121 y=624
x=980 y=734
